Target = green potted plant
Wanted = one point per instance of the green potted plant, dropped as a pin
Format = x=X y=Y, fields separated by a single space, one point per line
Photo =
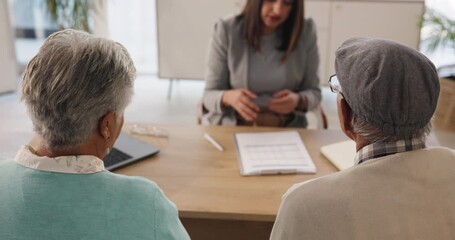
x=441 y=30
x=74 y=14
x=441 y=33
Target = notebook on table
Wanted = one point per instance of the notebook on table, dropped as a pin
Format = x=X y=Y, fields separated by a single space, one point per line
x=272 y=153
x=341 y=154
x=127 y=150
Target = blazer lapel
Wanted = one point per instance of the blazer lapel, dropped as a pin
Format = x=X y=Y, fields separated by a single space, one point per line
x=239 y=59
x=243 y=70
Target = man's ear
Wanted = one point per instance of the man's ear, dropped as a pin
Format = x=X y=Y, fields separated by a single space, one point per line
x=346 y=114
x=345 y=118
x=105 y=125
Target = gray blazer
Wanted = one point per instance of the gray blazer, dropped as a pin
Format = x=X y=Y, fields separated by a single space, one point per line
x=227 y=68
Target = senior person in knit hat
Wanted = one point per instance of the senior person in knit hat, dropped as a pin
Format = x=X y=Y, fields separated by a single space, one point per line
x=398 y=188
x=76 y=90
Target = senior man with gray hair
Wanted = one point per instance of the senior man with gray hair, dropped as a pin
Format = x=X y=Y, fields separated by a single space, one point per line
x=398 y=188
x=76 y=89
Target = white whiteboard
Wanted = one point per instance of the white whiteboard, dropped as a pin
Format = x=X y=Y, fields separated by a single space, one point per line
x=184 y=31
x=185 y=28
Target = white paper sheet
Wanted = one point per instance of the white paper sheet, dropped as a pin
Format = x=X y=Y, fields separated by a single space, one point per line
x=272 y=153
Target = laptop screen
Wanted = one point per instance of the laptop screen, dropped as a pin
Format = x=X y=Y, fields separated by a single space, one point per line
x=127 y=150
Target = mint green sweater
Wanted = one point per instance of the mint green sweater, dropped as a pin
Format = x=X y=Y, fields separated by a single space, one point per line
x=46 y=205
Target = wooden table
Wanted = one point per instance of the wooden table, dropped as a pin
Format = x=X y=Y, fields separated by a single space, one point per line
x=214 y=201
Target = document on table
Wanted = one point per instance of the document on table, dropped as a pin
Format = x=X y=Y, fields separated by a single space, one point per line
x=272 y=153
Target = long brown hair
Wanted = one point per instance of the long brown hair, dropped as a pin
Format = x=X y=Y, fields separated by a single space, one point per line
x=288 y=34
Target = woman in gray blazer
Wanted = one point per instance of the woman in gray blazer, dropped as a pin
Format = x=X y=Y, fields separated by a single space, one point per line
x=262 y=67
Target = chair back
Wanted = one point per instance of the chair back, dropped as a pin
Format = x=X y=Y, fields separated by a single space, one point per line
x=444 y=116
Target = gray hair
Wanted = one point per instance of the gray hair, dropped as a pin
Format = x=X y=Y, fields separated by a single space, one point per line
x=73 y=81
x=373 y=134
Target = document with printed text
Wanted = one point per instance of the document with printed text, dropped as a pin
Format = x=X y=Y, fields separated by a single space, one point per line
x=272 y=153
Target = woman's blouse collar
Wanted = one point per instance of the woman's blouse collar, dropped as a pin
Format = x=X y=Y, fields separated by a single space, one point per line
x=75 y=164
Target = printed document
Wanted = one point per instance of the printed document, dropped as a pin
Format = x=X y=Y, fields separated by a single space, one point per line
x=272 y=153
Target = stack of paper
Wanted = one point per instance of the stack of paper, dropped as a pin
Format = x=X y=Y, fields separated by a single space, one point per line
x=272 y=153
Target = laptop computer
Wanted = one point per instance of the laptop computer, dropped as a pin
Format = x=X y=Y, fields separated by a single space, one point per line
x=127 y=150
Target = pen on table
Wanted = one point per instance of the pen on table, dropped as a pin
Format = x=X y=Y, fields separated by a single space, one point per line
x=213 y=142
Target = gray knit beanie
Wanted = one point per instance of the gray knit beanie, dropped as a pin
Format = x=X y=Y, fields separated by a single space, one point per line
x=393 y=87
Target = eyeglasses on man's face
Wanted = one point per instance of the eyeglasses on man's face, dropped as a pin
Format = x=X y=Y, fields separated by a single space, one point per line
x=335 y=85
